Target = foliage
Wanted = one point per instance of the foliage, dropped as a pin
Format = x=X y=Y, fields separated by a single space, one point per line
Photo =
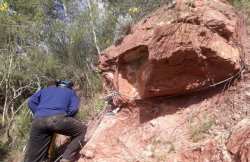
x=24 y=65
x=158 y=148
x=71 y=46
x=39 y=45
x=4 y=7
x=139 y=8
x=21 y=130
x=123 y=26
x=3 y=151
x=91 y=108
x=23 y=122
x=120 y=16
x=242 y=5
x=197 y=130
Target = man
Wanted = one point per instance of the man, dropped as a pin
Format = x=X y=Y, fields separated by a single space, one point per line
x=54 y=109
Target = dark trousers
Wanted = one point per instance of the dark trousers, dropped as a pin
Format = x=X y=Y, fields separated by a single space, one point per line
x=42 y=130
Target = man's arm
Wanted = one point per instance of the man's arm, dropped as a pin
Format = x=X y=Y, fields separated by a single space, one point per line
x=33 y=101
x=73 y=107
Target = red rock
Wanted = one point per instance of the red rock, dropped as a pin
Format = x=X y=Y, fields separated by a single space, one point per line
x=239 y=141
x=180 y=48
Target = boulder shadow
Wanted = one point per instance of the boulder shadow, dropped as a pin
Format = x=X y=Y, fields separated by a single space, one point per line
x=160 y=106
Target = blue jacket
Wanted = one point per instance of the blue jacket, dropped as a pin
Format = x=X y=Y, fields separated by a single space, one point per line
x=52 y=101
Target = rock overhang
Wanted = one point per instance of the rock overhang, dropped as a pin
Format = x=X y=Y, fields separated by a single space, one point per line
x=175 y=51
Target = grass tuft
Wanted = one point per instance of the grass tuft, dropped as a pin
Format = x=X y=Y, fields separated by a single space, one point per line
x=197 y=131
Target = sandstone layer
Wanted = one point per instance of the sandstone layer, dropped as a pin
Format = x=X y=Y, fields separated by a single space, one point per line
x=182 y=47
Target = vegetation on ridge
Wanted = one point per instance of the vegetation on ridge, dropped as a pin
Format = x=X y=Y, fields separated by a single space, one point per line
x=42 y=41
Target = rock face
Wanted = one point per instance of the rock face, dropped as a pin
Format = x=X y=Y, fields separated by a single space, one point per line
x=239 y=141
x=182 y=47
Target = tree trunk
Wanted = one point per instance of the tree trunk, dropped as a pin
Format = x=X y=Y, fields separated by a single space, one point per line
x=93 y=27
x=7 y=89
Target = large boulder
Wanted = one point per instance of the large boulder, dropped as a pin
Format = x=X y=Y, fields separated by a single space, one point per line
x=180 y=48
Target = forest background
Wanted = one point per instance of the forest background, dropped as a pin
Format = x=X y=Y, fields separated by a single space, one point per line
x=42 y=41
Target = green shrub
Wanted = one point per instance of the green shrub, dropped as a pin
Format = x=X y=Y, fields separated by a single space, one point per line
x=3 y=151
x=242 y=5
x=198 y=130
x=23 y=122
x=90 y=107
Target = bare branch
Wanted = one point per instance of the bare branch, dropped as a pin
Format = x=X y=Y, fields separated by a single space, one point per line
x=2 y=80
x=38 y=82
x=12 y=119
x=11 y=57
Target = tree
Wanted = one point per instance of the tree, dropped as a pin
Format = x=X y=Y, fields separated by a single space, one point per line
x=22 y=70
x=40 y=43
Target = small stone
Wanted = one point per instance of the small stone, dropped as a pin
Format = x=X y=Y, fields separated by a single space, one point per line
x=89 y=154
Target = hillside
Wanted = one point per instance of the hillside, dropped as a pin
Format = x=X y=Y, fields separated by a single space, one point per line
x=195 y=118
x=176 y=77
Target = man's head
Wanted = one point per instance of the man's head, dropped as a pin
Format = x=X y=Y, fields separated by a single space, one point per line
x=65 y=83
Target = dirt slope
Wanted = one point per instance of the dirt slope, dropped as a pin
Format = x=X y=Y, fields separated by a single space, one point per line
x=177 y=130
